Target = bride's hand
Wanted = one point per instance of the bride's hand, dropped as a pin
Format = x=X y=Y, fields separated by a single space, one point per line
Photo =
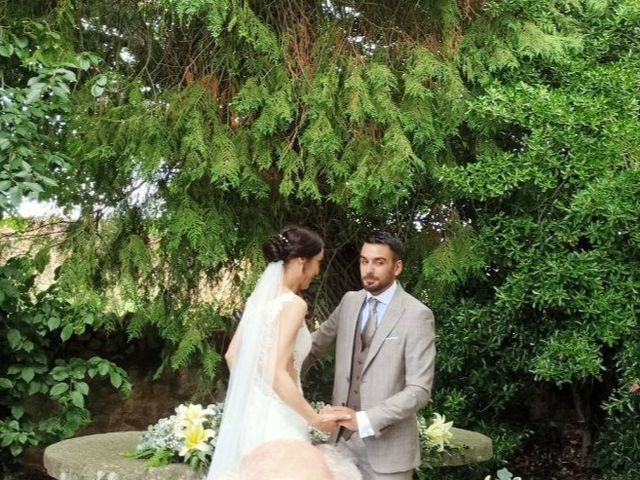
x=326 y=409
x=328 y=422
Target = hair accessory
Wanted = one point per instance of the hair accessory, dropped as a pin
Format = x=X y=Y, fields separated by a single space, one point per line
x=283 y=238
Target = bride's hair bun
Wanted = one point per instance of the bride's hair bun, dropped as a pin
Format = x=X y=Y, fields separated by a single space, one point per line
x=292 y=242
x=275 y=249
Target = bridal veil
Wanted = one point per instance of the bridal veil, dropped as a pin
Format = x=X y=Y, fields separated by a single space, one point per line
x=251 y=380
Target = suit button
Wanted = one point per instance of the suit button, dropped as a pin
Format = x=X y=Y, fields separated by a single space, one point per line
x=356 y=392
x=359 y=362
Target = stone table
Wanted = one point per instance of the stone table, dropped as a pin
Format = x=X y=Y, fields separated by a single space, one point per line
x=99 y=457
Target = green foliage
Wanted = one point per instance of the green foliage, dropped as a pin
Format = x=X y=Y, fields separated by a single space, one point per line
x=34 y=370
x=230 y=153
x=544 y=283
x=508 y=131
x=153 y=457
x=39 y=79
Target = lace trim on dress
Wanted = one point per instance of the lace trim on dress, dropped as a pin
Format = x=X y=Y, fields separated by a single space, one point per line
x=267 y=347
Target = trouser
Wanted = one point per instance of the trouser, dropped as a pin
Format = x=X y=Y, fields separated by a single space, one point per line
x=355 y=448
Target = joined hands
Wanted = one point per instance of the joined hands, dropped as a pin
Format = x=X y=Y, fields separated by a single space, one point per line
x=332 y=417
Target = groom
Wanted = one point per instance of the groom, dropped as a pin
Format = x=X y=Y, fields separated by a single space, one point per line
x=385 y=351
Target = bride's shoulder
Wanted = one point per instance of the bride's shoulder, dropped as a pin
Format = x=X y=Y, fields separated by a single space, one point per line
x=292 y=304
x=293 y=299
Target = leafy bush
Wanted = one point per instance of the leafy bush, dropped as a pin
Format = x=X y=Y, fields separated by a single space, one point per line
x=42 y=392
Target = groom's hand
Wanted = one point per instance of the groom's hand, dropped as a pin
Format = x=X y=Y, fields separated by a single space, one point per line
x=349 y=419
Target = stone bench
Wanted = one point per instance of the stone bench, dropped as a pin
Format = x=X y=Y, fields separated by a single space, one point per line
x=99 y=457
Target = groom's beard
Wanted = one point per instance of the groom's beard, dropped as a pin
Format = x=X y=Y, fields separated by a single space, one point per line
x=374 y=284
x=370 y=283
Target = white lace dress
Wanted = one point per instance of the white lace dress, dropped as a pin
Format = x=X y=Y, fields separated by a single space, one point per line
x=281 y=421
x=254 y=414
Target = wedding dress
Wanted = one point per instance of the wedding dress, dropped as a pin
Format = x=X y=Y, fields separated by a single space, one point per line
x=280 y=420
x=254 y=414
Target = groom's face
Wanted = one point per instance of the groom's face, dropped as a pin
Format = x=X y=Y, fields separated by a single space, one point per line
x=379 y=267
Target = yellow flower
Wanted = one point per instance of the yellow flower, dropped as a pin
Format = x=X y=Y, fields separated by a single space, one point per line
x=438 y=432
x=195 y=438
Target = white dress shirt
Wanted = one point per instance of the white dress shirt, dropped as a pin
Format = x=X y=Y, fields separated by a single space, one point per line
x=364 y=425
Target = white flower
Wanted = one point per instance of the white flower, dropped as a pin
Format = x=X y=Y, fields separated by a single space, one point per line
x=192 y=414
x=438 y=433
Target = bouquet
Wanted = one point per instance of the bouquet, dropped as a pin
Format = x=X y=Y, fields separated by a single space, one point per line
x=188 y=436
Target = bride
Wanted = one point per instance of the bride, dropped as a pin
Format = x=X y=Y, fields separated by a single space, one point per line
x=264 y=399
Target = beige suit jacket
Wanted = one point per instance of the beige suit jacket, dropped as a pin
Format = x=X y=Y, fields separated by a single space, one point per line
x=396 y=378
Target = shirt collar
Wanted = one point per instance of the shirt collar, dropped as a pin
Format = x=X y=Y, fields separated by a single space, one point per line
x=386 y=296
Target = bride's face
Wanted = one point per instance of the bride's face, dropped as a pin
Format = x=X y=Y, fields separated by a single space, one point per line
x=310 y=269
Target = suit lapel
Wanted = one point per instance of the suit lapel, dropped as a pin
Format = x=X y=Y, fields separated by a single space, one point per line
x=352 y=317
x=389 y=320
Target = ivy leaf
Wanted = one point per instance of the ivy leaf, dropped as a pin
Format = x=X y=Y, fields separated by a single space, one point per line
x=53 y=323
x=82 y=387
x=22 y=42
x=97 y=90
x=77 y=399
x=27 y=374
x=34 y=387
x=58 y=389
x=17 y=411
x=6 y=50
x=7 y=439
x=116 y=379
x=68 y=75
x=5 y=383
x=34 y=92
x=59 y=373
x=66 y=333
x=14 y=337
x=33 y=186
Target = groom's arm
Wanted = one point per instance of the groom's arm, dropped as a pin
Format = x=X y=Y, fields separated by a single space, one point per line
x=324 y=338
x=419 y=360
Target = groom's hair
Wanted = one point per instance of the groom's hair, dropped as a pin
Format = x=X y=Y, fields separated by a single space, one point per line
x=385 y=238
